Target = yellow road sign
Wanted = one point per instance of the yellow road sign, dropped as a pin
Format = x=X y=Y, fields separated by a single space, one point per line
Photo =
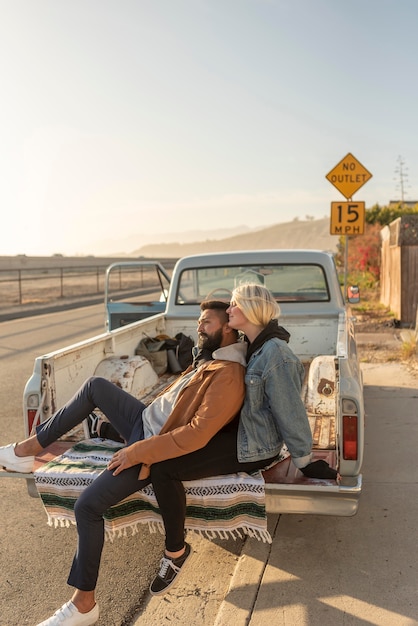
x=348 y=176
x=347 y=218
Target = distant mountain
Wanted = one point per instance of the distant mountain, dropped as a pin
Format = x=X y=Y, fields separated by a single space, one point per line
x=127 y=244
x=296 y=234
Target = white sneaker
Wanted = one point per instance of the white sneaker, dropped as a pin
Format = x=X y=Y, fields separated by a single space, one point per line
x=12 y=463
x=69 y=615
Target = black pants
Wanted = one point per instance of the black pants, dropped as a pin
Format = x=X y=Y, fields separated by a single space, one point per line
x=218 y=457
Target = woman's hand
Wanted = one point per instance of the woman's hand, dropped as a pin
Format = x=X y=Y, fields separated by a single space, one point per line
x=119 y=462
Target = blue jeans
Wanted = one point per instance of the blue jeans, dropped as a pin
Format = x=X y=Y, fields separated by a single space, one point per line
x=125 y=414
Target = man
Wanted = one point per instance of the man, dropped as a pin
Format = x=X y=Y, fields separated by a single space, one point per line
x=181 y=420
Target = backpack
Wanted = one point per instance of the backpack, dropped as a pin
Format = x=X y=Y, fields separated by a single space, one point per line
x=184 y=350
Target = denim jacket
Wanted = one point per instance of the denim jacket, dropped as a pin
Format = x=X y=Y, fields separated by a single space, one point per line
x=273 y=411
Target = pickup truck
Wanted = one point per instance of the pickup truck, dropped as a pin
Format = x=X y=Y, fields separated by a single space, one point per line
x=313 y=310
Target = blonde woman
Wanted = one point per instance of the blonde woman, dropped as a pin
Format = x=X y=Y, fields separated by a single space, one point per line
x=273 y=413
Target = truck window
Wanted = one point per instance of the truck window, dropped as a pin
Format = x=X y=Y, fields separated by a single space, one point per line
x=289 y=283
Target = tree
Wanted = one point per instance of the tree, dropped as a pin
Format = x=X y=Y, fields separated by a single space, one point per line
x=385 y=215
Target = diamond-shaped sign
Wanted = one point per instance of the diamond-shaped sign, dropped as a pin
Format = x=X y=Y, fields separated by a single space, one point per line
x=348 y=176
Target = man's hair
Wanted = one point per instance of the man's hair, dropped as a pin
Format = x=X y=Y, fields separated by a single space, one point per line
x=220 y=307
x=216 y=305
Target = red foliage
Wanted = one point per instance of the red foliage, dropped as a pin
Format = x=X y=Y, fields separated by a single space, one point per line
x=364 y=251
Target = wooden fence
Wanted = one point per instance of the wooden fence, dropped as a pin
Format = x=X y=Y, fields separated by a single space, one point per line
x=399 y=269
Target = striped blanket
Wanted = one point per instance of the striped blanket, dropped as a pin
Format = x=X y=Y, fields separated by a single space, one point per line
x=222 y=506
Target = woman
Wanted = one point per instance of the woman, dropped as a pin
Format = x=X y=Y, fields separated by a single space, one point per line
x=273 y=411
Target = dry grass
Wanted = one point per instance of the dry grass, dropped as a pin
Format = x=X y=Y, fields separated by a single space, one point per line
x=371 y=314
x=409 y=347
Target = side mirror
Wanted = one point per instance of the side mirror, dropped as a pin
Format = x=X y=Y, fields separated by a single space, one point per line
x=353 y=294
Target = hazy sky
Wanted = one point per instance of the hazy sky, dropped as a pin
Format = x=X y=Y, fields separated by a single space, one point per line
x=127 y=116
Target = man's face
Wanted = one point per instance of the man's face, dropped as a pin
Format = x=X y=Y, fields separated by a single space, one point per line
x=209 y=330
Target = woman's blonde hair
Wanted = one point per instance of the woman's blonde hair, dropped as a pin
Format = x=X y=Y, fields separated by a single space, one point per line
x=256 y=302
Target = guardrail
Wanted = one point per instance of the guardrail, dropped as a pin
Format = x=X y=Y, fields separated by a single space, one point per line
x=39 y=285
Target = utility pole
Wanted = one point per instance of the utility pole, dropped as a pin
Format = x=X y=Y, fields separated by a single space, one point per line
x=402 y=177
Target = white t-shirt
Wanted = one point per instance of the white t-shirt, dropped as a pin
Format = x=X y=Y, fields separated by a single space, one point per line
x=155 y=415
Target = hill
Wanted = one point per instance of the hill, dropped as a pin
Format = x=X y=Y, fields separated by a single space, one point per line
x=296 y=234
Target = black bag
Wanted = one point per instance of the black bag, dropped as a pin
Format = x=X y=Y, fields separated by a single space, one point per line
x=184 y=350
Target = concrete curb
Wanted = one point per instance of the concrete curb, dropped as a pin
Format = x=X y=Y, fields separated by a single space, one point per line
x=201 y=588
x=218 y=588
x=240 y=599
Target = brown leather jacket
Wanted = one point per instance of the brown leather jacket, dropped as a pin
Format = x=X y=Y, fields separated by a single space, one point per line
x=211 y=399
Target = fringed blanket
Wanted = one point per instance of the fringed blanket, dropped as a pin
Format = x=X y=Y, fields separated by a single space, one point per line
x=222 y=506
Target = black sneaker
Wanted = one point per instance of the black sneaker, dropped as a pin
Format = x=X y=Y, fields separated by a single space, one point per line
x=169 y=572
x=93 y=422
x=100 y=428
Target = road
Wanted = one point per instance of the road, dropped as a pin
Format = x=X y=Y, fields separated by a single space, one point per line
x=319 y=571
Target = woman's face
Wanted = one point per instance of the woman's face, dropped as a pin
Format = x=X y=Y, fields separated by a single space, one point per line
x=237 y=319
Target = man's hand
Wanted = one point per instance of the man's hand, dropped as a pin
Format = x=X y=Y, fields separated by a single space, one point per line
x=119 y=462
x=319 y=469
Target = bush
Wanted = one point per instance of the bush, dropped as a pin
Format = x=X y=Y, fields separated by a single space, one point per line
x=364 y=280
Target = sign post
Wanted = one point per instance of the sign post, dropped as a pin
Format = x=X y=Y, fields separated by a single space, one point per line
x=347 y=218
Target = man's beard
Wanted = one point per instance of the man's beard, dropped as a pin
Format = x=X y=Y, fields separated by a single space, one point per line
x=212 y=342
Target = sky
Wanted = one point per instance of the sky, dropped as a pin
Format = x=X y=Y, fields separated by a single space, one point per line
x=141 y=117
